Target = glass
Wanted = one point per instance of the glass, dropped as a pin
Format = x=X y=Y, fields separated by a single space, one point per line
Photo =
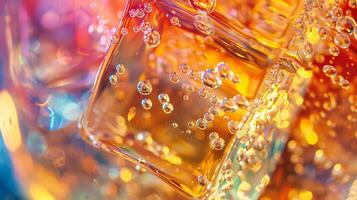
x=194 y=98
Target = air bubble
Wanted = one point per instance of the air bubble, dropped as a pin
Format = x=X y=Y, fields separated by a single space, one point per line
x=233 y=126
x=223 y=70
x=174 y=77
x=113 y=79
x=210 y=79
x=329 y=71
x=203 y=93
x=144 y=87
x=175 y=21
x=217 y=144
x=167 y=108
x=185 y=69
x=120 y=69
x=146 y=104
x=152 y=39
x=203 y=23
x=342 y=40
x=201 y=124
x=163 y=98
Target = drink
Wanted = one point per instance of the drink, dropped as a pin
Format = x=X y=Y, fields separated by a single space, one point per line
x=195 y=99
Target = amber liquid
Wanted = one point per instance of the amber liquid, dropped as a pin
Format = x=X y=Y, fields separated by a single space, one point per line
x=171 y=144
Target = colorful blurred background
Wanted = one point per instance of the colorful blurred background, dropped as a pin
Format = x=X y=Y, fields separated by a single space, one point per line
x=50 y=51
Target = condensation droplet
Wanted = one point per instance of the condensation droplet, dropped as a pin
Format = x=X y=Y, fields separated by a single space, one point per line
x=144 y=87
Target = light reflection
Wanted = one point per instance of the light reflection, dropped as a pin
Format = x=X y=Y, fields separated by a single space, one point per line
x=9 y=124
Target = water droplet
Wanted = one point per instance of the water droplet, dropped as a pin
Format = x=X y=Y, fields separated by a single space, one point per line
x=203 y=23
x=174 y=77
x=144 y=87
x=113 y=79
x=203 y=93
x=210 y=79
x=185 y=69
x=163 y=98
x=120 y=69
x=342 y=40
x=152 y=39
x=201 y=124
x=146 y=103
x=329 y=71
x=167 y=108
